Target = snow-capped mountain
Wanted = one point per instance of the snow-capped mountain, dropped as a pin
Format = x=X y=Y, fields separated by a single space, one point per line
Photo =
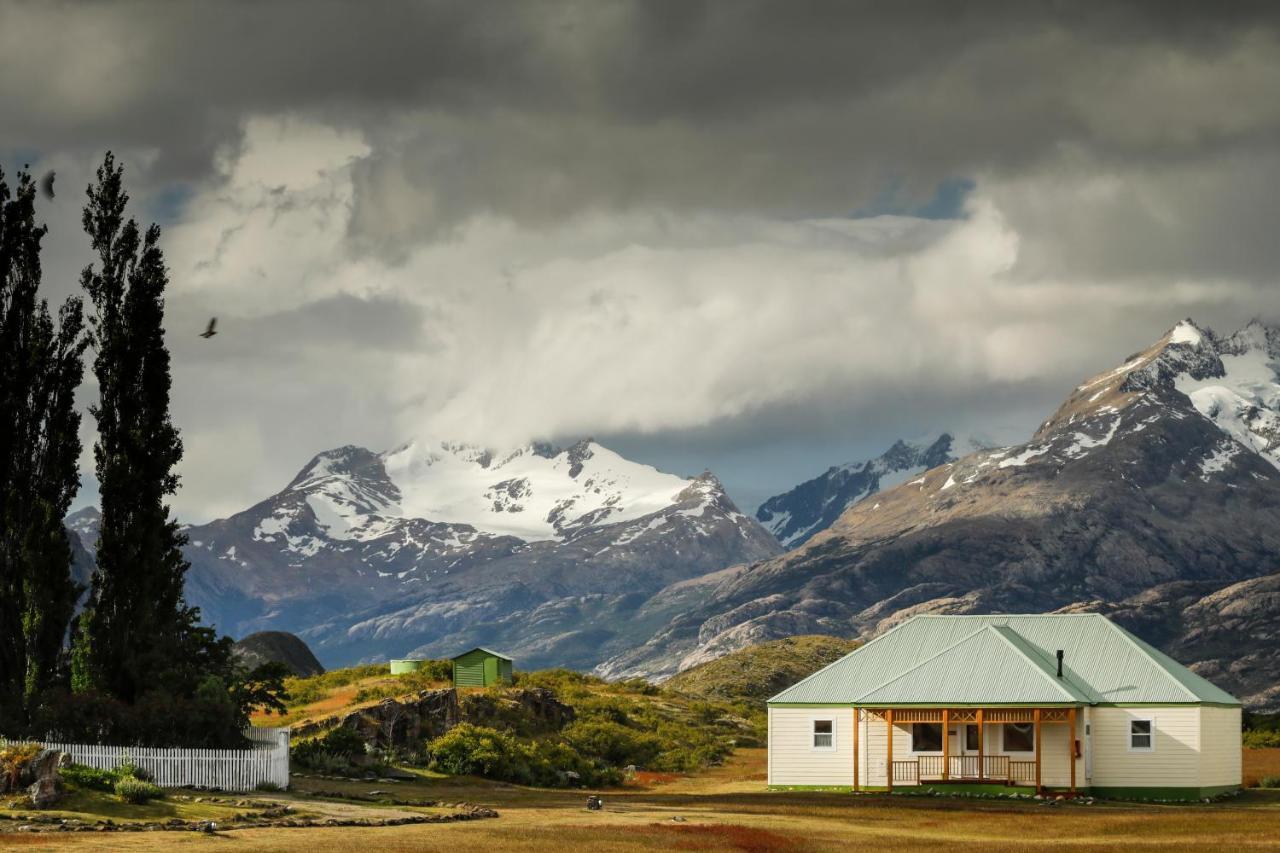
x=372 y=554
x=795 y=515
x=84 y=523
x=1153 y=492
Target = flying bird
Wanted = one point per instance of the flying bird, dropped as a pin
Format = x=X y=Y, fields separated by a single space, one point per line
x=46 y=184
x=212 y=330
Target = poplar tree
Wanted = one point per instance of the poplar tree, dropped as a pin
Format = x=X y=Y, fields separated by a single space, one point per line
x=136 y=632
x=41 y=364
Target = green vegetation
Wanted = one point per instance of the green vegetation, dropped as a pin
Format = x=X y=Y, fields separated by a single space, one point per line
x=134 y=791
x=129 y=782
x=304 y=691
x=1269 y=782
x=41 y=364
x=1261 y=739
x=431 y=675
x=13 y=758
x=757 y=672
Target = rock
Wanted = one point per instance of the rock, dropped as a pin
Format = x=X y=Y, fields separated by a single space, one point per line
x=46 y=787
x=396 y=723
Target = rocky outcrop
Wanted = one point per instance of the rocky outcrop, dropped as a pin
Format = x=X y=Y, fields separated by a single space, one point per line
x=402 y=723
x=407 y=722
x=525 y=712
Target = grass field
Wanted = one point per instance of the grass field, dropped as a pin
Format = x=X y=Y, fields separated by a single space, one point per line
x=722 y=810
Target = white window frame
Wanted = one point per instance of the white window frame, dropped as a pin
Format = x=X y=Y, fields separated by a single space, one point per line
x=813 y=734
x=1150 y=721
x=1004 y=747
x=937 y=751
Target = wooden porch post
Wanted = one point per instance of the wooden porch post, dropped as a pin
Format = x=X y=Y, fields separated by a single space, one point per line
x=1071 y=745
x=1037 y=724
x=856 y=714
x=946 y=744
x=982 y=762
x=888 y=723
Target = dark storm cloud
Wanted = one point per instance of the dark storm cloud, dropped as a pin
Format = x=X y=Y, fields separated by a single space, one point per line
x=538 y=110
x=600 y=215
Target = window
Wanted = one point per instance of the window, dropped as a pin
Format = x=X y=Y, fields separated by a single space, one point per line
x=926 y=737
x=1142 y=735
x=1019 y=737
x=971 y=738
x=824 y=734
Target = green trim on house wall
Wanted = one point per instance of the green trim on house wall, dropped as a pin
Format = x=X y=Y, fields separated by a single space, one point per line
x=1005 y=705
x=1111 y=793
x=835 y=789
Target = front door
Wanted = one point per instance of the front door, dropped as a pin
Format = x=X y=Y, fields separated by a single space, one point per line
x=964 y=741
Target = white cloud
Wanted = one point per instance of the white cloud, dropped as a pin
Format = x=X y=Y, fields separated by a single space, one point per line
x=641 y=322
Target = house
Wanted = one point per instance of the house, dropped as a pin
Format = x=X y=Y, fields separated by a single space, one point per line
x=481 y=667
x=1057 y=702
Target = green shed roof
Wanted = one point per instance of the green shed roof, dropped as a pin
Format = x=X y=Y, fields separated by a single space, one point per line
x=481 y=649
x=1011 y=659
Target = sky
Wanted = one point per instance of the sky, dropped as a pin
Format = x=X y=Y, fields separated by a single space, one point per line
x=760 y=238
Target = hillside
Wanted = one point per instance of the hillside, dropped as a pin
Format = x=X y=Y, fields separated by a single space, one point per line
x=551 y=727
x=757 y=672
x=1152 y=494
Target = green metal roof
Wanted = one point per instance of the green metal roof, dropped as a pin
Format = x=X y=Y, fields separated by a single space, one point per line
x=482 y=649
x=1007 y=659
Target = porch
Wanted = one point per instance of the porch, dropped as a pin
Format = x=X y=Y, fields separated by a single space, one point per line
x=964 y=754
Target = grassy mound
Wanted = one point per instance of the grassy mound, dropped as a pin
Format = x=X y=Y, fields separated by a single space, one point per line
x=757 y=672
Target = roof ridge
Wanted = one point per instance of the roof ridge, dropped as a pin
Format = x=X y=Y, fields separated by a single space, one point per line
x=1138 y=644
x=929 y=659
x=1057 y=683
x=867 y=644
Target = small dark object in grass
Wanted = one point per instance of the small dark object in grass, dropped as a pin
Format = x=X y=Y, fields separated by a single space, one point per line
x=594 y=804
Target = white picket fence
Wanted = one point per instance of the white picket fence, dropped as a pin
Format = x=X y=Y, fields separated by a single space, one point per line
x=226 y=769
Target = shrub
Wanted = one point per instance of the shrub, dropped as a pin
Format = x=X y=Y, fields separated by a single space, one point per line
x=94 y=778
x=1261 y=740
x=127 y=768
x=267 y=787
x=14 y=757
x=470 y=750
x=331 y=751
x=1269 y=782
x=136 y=791
x=613 y=743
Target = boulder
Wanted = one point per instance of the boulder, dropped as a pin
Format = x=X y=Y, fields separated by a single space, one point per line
x=46 y=788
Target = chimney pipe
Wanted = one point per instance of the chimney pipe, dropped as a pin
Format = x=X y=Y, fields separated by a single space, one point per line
x=1060 y=653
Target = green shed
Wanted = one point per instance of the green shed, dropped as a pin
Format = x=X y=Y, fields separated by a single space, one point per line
x=481 y=667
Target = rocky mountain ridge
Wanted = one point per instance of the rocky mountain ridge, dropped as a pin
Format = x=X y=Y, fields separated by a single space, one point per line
x=1152 y=493
x=797 y=514
x=343 y=558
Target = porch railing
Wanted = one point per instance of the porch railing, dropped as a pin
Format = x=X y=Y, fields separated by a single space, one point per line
x=994 y=768
x=906 y=771
x=1022 y=772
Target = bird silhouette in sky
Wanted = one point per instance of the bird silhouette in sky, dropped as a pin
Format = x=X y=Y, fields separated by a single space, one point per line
x=46 y=184
x=212 y=330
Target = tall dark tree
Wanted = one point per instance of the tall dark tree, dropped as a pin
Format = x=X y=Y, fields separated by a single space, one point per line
x=137 y=628
x=41 y=364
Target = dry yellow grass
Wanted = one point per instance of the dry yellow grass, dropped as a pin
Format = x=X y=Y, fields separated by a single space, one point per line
x=727 y=810
x=1259 y=763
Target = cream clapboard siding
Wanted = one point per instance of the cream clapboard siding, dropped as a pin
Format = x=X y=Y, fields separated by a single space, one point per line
x=1175 y=762
x=792 y=758
x=1220 y=747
